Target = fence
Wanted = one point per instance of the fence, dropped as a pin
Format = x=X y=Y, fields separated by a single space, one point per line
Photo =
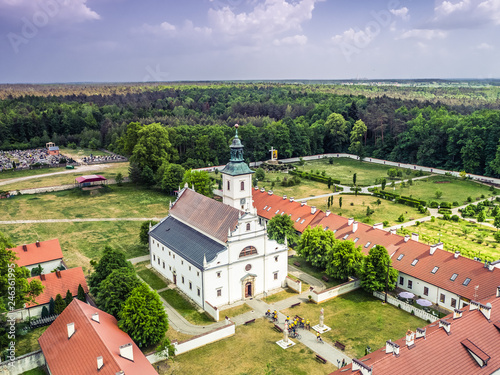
x=23 y=363
x=407 y=307
x=295 y=285
x=325 y=295
x=212 y=311
x=42 y=322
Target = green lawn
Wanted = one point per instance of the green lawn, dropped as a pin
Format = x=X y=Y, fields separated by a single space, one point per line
x=150 y=276
x=36 y=371
x=110 y=202
x=185 y=308
x=80 y=152
x=252 y=351
x=343 y=169
x=453 y=189
x=313 y=271
x=358 y=319
x=29 y=342
x=453 y=236
x=280 y=296
x=28 y=172
x=386 y=211
x=305 y=189
x=81 y=242
x=234 y=311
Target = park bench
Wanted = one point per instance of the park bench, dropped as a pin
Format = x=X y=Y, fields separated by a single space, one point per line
x=295 y=304
x=249 y=321
x=296 y=264
x=320 y=359
x=278 y=329
x=324 y=278
x=339 y=345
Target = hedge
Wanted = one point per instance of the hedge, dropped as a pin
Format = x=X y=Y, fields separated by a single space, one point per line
x=315 y=177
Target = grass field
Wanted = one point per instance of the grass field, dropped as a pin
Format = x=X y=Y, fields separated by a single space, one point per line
x=358 y=319
x=111 y=202
x=343 y=169
x=28 y=172
x=185 y=308
x=305 y=189
x=36 y=371
x=453 y=237
x=150 y=276
x=29 y=342
x=453 y=189
x=313 y=271
x=234 y=311
x=280 y=296
x=107 y=170
x=252 y=350
x=80 y=152
x=81 y=242
x=386 y=211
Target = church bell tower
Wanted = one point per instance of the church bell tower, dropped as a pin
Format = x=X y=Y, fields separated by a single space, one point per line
x=237 y=179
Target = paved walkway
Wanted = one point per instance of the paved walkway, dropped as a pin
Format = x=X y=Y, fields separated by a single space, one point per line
x=79 y=220
x=317 y=284
x=139 y=259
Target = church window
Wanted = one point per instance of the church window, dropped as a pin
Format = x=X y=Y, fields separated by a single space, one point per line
x=249 y=250
x=190 y=268
x=228 y=185
x=183 y=279
x=248 y=226
x=199 y=292
x=242 y=185
x=170 y=268
x=182 y=262
x=276 y=258
x=248 y=267
x=190 y=286
x=218 y=274
x=276 y=276
x=162 y=248
x=219 y=292
x=158 y=260
x=154 y=257
x=198 y=273
x=163 y=265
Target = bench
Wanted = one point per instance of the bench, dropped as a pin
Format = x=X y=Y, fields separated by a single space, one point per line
x=296 y=304
x=296 y=264
x=278 y=329
x=324 y=278
x=339 y=345
x=249 y=321
x=320 y=359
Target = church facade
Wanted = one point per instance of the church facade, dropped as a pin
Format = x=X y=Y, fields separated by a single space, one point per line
x=218 y=253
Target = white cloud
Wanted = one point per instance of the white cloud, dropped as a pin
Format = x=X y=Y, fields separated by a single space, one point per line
x=466 y=14
x=447 y=7
x=427 y=34
x=404 y=13
x=166 y=29
x=68 y=10
x=484 y=46
x=291 y=40
x=354 y=37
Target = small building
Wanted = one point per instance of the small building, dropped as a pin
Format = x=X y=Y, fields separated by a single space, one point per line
x=54 y=150
x=93 y=179
x=86 y=340
x=55 y=283
x=47 y=254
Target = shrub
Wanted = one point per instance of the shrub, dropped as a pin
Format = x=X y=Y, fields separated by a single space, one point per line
x=455 y=218
x=445 y=205
x=386 y=223
x=401 y=218
x=455 y=204
x=434 y=204
x=433 y=219
x=469 y=199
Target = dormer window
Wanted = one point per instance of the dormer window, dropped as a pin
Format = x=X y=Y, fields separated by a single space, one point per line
x=415 y=261
x=302 y=222
x=345 y=237
x=356 y=239
x=249 y=250
x=297 y=220
x=277 y=211
x=400 y=256
x=434 y=270
x=367 y=244
x=466 y=282
x=454 y=276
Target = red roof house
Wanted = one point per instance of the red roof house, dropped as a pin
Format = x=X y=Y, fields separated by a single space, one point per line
x=86 y=340
x=90 y=178
x=46 y=253
x=465 y=342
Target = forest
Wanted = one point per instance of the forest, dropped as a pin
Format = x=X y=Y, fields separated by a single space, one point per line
x=456 y=128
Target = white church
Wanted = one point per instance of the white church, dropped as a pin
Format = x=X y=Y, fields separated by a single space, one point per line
x=218 y=253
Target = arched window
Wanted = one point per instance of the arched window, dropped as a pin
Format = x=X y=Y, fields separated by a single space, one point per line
x=249 y=250
x=248 y=227
x=228 y=186
x=242 y=185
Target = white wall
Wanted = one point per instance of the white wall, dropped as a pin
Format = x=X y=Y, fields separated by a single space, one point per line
x=23 y=363
x=47 y=267
x=295 y=285
x=335 y=291
x=233 y=196
x=207 y=338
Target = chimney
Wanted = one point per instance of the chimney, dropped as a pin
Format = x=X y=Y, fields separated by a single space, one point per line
x=303 y=203
x=42 y=277
x=486 y=310
x=357 y=365
x=313 y=210
x=121 y=372
x=392 y=347
x=498 y=291
x=392 y=231
x=256 y=187
x=100 y=363
x=328 y=212
x=95 y=317
x=420 y=333
x=457 y=253
x=25 y=247
x=127 y=351
x=354 y=226
x=71 y=329
x=490 y=266
x=58 y=274
x=291 y=199
x=433 y=249
x=410 y=339
x=446 y=326
x=350 y=221
x=262 y=190
x=473 y=305
x=407 y=238
x=378 y=226
x=414 y=237
x=457 y=313
x=37 y=243
x=284 y=197
x=440 y=245
x=270 y=192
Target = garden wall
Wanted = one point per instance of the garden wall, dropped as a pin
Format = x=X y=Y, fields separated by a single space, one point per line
x=295 y=285
x=212 y=311
x=325 y=295
x=407 y=307
x=204 y=339
x=23 y=363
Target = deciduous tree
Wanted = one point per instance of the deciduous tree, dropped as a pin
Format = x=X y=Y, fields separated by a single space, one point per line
x=374 y=270
x=111 y=259
x=279 y=227
x=115 y=289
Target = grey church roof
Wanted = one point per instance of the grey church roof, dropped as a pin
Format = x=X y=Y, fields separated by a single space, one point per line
x=186 y=241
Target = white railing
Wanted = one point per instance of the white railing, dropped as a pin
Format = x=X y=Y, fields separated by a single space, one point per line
x=407 y=307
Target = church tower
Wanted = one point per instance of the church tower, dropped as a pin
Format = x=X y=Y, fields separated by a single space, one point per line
x=237 y=179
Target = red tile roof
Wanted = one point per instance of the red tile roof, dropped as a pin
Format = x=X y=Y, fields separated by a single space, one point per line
x=270 y=205
x=54 y=285
x=440 y=353
x=217 y=217
x=78 y=354
x=367 y=236
x=47 y=251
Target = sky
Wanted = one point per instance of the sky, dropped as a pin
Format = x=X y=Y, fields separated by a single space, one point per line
x=49 y=41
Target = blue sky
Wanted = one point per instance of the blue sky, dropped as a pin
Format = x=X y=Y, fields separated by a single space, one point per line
x=166 y=40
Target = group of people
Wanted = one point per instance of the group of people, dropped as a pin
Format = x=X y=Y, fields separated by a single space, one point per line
x=102 y=158
x=273 y=316
x=23 y=159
